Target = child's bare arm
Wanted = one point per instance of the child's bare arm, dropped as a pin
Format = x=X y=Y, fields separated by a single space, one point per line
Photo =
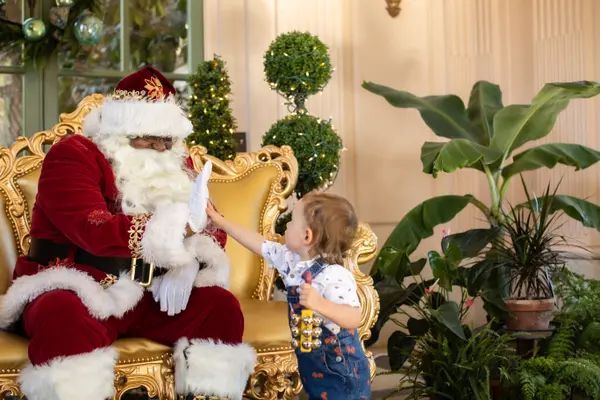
x=246 y=237
x=343 y=315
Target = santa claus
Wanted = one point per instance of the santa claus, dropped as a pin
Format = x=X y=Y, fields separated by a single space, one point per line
x=113 y=255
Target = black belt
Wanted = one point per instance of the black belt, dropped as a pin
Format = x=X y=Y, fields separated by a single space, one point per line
x=44 y=252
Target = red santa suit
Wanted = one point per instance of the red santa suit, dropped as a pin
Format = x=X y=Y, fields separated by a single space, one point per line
x=72 y=294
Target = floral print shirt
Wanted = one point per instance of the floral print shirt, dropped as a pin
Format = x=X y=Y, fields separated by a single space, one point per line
x=335 y=283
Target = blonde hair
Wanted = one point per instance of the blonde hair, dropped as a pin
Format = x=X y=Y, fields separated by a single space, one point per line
x=333 y=223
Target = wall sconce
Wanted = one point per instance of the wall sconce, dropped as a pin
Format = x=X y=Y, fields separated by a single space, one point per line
x=393 y=7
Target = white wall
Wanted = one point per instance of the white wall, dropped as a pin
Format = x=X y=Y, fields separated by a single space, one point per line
x=432 y=47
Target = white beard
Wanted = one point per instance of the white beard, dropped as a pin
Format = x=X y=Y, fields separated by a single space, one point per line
x=145 y=177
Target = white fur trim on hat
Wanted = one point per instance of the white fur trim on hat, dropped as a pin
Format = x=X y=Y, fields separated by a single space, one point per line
x=137 y=118
x=113 y=301
x=87 y=376
x=207 y=251
x=212 y=368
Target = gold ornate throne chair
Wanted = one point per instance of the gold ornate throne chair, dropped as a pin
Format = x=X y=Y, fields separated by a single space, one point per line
x=250 y=190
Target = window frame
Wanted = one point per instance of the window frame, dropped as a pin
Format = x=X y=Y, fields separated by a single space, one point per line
x=40 y=87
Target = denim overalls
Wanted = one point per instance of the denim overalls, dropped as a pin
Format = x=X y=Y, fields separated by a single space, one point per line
x=337 y=370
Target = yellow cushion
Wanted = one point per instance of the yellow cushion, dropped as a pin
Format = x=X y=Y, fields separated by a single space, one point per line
x=266 y=325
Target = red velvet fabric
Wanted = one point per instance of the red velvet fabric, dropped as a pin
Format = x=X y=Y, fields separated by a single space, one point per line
x=77 y=204
x=58 y=324
x=147 y=79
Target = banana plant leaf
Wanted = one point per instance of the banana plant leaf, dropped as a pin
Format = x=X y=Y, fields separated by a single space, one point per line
x=485 y=101
x=458 y=153
x=515 y=125
x=417 y=225
x=580 y=210
x=470 y=242
x=445 y=115
x=548 y=155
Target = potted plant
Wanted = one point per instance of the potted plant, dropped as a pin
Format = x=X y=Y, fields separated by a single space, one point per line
x=569 y=365
x=447 y=359
x=485 y=136
x=526 y=251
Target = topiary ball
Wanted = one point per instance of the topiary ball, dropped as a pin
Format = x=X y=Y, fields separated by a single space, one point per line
x=316 y=146
x=297 y=65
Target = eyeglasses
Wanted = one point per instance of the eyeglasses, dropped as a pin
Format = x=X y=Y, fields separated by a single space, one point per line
x=153 y=141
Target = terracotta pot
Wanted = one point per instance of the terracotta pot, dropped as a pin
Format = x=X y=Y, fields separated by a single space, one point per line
x=529 y=315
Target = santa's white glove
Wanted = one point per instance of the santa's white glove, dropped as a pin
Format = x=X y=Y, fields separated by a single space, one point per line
x=173 y=289
x=199 y=199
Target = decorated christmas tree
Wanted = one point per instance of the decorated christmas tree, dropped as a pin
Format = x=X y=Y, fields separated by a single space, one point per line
x=210 y=111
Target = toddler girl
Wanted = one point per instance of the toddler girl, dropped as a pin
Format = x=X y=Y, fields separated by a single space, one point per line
x=310 y=263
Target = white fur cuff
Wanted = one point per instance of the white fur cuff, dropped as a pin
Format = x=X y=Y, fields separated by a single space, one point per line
x=87 y=376
x=212 y=368
x=102 y=303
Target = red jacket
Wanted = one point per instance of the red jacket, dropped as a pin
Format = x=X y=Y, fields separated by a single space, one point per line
x=78 y=204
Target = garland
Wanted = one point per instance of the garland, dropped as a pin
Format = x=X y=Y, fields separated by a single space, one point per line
x=71 y=24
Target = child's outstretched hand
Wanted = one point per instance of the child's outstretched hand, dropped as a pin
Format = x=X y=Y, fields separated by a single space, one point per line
x=310 y=297
x=213 y=214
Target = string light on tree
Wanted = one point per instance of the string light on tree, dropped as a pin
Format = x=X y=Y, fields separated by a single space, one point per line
x=316 y=147
x=210 y=111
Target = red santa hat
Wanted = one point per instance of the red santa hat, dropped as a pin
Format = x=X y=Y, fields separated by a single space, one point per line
x=143 y=104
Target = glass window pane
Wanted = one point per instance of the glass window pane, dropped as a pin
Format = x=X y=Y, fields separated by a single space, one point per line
x=71 y=90
x=11 y=108
x=13 y=12
x=104 y=55
x=159 y=34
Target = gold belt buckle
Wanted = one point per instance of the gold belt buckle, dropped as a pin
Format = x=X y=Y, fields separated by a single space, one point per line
x=150 y=273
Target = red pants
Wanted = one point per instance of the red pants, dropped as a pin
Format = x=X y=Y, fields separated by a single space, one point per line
x=58 y=323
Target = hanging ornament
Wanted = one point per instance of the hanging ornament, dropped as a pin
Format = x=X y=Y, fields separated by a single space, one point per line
x=88 y=29
x=34 y=29
x=64 y=3
x=59 y=16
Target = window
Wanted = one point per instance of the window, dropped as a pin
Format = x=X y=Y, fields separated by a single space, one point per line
x=165 y=33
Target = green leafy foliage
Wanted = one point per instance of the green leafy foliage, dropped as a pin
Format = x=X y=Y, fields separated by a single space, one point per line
x=210 y=111
x=570 y=365
x=448 y=367
x=297 y=65
x=527 y=249
x=316 y=146
x=483 y=136
x=543 y=378
x=417 y=225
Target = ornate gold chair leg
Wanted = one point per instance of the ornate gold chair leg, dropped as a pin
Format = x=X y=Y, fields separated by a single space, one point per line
x=275 y=377
x=9 y=386
x=155 y=375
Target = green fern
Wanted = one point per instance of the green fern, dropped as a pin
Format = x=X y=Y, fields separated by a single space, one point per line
x=554 y=391
x=582 y=374
x=529 y=384
x=562 y=344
